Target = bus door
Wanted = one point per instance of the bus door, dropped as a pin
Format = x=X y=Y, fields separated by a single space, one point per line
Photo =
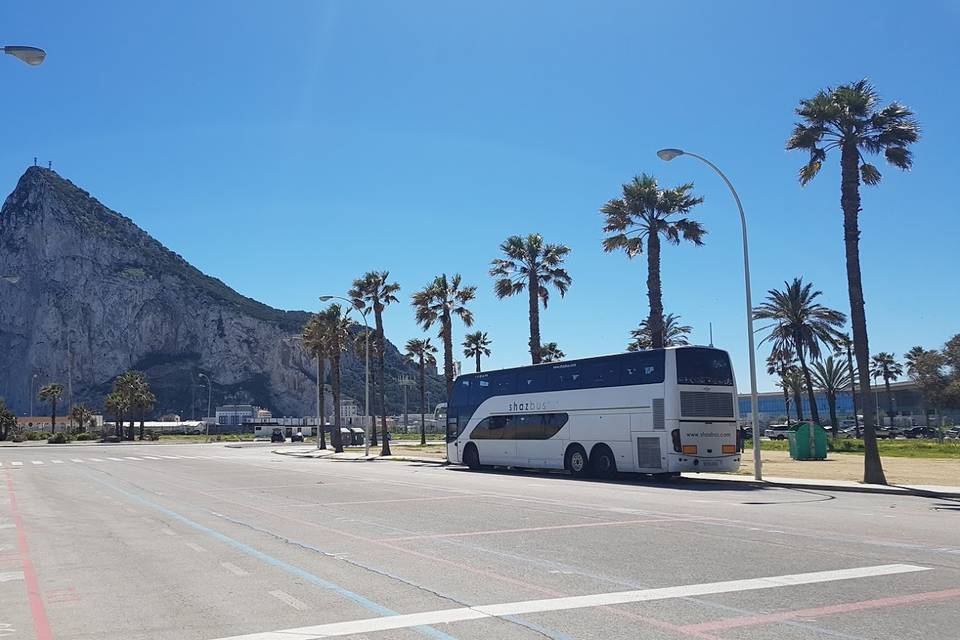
x=453 y=440
x=650 y=445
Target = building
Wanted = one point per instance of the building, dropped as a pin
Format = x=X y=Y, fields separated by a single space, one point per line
x=907 y=403
x=235 y=415
x=42 y=423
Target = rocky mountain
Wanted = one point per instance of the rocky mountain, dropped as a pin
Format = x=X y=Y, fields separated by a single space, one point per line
x=85 y=295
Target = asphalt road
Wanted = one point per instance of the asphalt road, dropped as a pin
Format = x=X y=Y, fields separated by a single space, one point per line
x=205 y=542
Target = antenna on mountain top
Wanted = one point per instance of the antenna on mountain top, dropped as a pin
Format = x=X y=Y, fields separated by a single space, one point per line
x=49 y=164
x=34 y=160
x=711 y=334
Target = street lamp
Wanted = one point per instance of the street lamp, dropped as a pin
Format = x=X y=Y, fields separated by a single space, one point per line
x=31 y=55
x=209 y=397
x=366 y=373
x=33 y=384
x=670 y=154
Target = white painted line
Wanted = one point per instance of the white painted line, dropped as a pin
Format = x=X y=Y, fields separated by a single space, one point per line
x=9 y=576
x=57 y=461
x=445 y=616
x=151 y=457
x=75 y=460
x=169 y=532
x=196 y=547
x=115 y=459
x=95 y=460
x=232 y=568
x=1 y=464
x=37 y=461
x=17 y=463
x=283 y=596
x=132 y=458
x=172 y=457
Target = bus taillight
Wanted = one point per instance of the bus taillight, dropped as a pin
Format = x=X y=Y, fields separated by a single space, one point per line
x=675 y=434
x=690 y=449
x=729 y=448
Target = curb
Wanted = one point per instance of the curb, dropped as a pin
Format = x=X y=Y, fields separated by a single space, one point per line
x=361 y=458
x=895 y=490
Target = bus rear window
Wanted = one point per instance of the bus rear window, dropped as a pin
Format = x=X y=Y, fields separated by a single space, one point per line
x=704 y=367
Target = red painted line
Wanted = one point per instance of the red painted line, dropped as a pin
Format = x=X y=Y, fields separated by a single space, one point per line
x=579 y=525
x=847 y=607
x=41 y=624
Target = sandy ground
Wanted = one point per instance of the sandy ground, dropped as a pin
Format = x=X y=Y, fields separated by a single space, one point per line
x=848 y=466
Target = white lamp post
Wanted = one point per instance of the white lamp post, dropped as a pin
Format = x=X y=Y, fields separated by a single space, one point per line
x=31 y=55
x=366 y=372
x=209 y=397
x=670 y=154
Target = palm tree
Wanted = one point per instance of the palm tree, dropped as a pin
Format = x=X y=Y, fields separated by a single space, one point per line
x=421 y=352
x=916 y=359
x=52 y=393
x=550 y=352
x=440 y=301
x=884 y=365
x=8 y=421
x=315 y=343
x=779 y=362
x=850 y=118
x=80 y=415
x=674 y=334
x=831 y=378
x=335 y=327
x=845 y=345
x=532 y=266
x=802 y=323
x=476 y=344
x=116 y=403
x=644 y=214
x=374 y=291
x=143 y=399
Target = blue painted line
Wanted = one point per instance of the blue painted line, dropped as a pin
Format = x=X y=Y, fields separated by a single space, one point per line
x=276 y=562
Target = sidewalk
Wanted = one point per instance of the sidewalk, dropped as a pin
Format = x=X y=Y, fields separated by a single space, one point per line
x=729 y=480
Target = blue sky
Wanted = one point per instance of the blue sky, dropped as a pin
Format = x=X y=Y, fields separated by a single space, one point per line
x=286 y=147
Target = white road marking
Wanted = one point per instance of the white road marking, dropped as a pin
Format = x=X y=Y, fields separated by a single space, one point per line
x=115 y=459
x=460 y=614
x=75 y=460
x=132 y=458
x=57 y=461
x=172 y=457
x=232 y=568
x=196 y=547
x=283 y=596
x=151 y=457
x=37 y=461
x=7 y=525
x=95 y=460
x=9 y=576
x=17 y=463
x=169 y=532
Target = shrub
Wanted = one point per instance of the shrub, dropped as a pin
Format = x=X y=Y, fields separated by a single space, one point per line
x=38 y=435
x=84 y=436
x=19 y=436
x=58 y=438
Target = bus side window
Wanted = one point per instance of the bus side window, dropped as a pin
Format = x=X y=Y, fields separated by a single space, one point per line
x=504 y=384
x=480 y=390
x=602 y=374
x=566 y=376
x=531 y=380
x=528 y=426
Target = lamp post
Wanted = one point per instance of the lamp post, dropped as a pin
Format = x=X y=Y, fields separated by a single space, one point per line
x=209 y=397
x=670 y=154
x=33 y=385
x=31 y=55
x=366 y=372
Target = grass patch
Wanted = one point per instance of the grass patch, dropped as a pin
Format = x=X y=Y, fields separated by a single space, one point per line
x=888 y=448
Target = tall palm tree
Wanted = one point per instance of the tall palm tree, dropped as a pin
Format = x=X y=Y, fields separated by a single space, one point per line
x=674 y=334
x=421 y=352
x=913 y=357
x=884 y=365
x=802 y=323
x=845 y=346
x=476 y=344
x=550 y=352
x=850 y=118
x=373 y=291
x=647 y=214
x=116 y=403
x=335 y=327
x=831 y=377
x=531 y=265
x=143 y=399
x=315 y=343
x=916 y=359
x=440 y=301
x=52 y=393
x=80 y=414
x=779 y=362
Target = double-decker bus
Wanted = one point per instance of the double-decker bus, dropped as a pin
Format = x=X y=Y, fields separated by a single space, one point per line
x=661 y=411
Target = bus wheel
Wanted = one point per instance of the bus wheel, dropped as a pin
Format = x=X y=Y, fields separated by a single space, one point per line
x=577 y=461
x=470 y=456
x=602 y=462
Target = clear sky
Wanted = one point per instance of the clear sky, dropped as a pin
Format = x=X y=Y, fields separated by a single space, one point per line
x=287 y=147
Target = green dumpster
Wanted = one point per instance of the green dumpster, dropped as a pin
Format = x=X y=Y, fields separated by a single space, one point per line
x=799 y=439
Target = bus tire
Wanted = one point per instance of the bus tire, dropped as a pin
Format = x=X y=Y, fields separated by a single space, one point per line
x=602 y=463
x=471 y=457
x=577 y=462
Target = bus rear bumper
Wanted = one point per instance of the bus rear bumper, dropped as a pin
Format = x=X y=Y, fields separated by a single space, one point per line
x=697 y=464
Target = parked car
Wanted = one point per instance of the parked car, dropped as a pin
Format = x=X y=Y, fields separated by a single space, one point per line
x=921 y=432
x=297 y=437
x=777 y=431
x=277 y=436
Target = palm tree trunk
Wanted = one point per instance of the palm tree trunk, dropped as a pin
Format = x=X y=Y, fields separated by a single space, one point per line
x=381 y=344
x=478 y=362
x=321 y=409
x=786 y=399
x=811 y=398
x=374 y=440
x=832 y=401
x=533 y=288
x=853 y=392
x=141 y=424
x=445 y=330
x=335 y=438
x=53 y=416
x=654 y=292
x=850 y=202
x=423 y=401
x=798 y=403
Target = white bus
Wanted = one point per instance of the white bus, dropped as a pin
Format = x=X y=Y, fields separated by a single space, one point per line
x=658 y=412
